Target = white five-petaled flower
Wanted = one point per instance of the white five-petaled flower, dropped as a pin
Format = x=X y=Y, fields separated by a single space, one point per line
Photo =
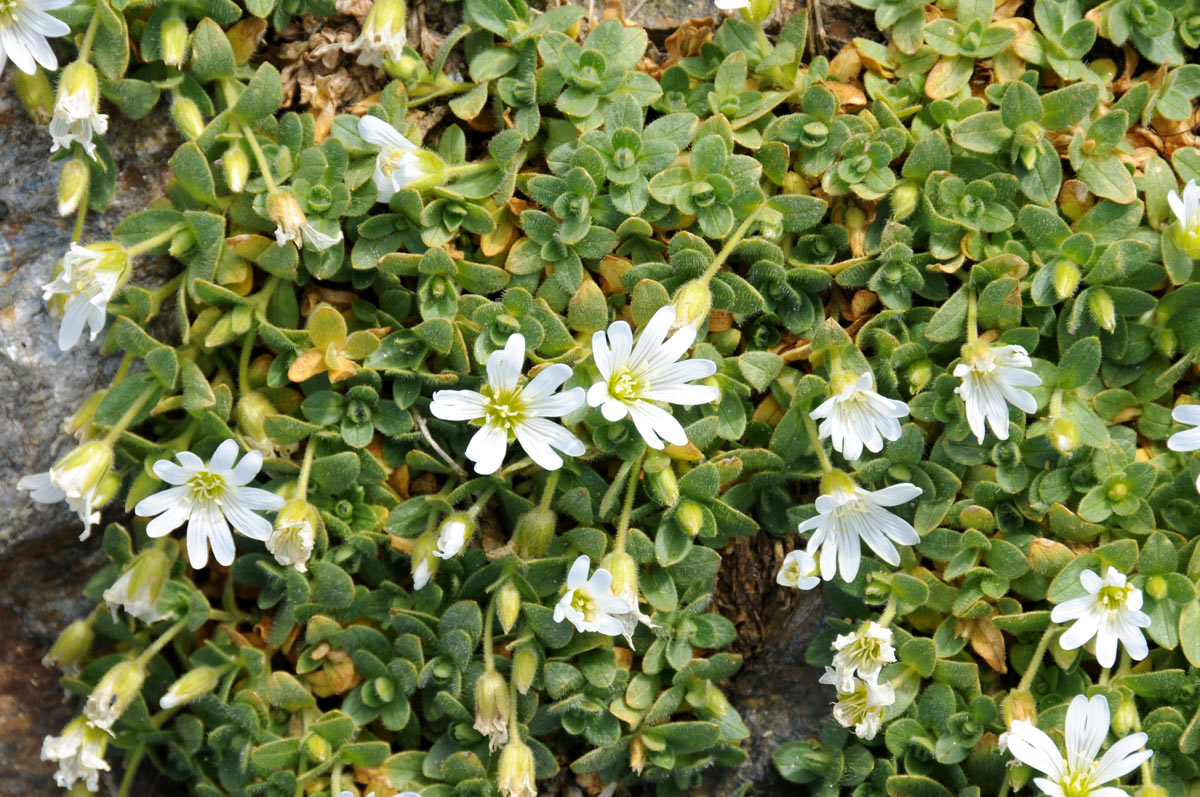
x=992 y=378
x=732 y=5
x=798 y=570
x=862 y=654
x=1187 y=214
x=210 y=498
x=1189 y=439
x=861 y=705
x=83 y=479
x=79 y=752
x=847 y=515
x=510 y=410
x=86 y=280
x=1079 y=774
x=398 y=164
x=24 y=28
x=589 y=604
x=858 y=417
x=1111 y=612
x=633 y=379
x=77 y=109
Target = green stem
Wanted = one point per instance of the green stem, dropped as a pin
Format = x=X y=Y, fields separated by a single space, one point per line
x=627 y=508
x=162 y=292
x=1035 y=662
x=972 y=316
x=457 y=88
x=1104 y=676
x=161 y=642
x=156 y=240
x=85 y=47
x=548 y=490
x=80 y=215
x=125 y=420
x=131 y=767
x=122 y=370
x=818 y=447
x=310 y=450
x=489 y=661
x=244 y=364
x=888 y=612
x=480 y=503
x=730 y=245
x=514 y=722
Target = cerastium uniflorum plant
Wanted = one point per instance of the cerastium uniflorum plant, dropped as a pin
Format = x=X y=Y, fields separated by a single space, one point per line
x=429 y=454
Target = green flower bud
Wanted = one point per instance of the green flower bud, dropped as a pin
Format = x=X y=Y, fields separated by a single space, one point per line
x=114 y=694
x=252 y=411
x=235 y=164
x=193 y=684
x=1102 y=308
x=524 y=668
x=692 y=303
x=1066 y=278
x=36 y=94
x=663 y=486
x=1125 y=720
x=187 y=117
x=71 y=647
x=317 y=747
x=72 y=185
x=491 y=708
x=181 y=243
x=1156 y=587
x=690 y=516
x=174 y=41
x=905 y=197
x=1064 y=435
x=508 y=606
x=534 y=532
x=919 y=374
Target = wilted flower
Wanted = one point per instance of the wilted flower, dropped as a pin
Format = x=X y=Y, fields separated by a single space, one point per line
x=209 y=498
x=799 y=570
x=992 y=378
x=77 y=109
x=292 y=225
x=291 y=540
x=112 y=696
x=862 y=654
x=79 y=752
x=140 y=587
x=83 y=479
x=634 y=379
x=82 y=287
x=383 y=34
x=1079 y=774
x=860 y=706
x=515 y=776
x=510 y=410
x=491 y=708
x=589 y=604
x=848 y=515
x=24 y=28
x=856 y=416
x=1110 y=612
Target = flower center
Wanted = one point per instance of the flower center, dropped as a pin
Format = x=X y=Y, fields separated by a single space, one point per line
x=624 y=386
x=504 y=410
x=583 y=603
x=8 y=12
x=1112 y=598
x=207 y=486
x=1076 y=784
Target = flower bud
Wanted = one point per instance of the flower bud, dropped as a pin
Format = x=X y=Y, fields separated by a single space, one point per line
x=115 y=692
x=1125 y=720
x=1155 y=790
x=187 y=117
x=690 y=516
x=174 y=40
x=193 y=684
x=72 y=185
x=793 y=183
x=919 y=374
x=508 y=605
x=491 y=708
x=82 y=470
x=524 y=668
x=453 y=534
x=1103 y=310
x=1019 y=705
x=284 y=209
x=1047 y=557
x=663 y=486
x=624 y=575
x=424 y=562
x=1064 y=435
x=317 y=747
x=140 y=587
x=515 y=775
x=235 y=164
x=759 y=11
x=1018 y=776
x=1166 y=341
x=71 y=646
x=692 y=303
x=80 y=423
x=252 y=411
x=36 y=94
x=1066 y=279
x=79 y=78
x=534 y=532
x=905 y=198
x=1156 y=587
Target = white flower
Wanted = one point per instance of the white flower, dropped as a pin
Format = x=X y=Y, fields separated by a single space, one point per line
x=862 y=653
x=383 y=35
x=398 y=165
x=79 y=753
x=82 y=479
x=24 y=28
x=77 y=109
x=1187 y=214
x=372 y=794
x=86 y=280
x=292 y=538
x=634 y=378
x=1110 y=612
x=510 y=410
x=421 y=575
x=848 y=515
x=858 y=417
x=1188 y=440
x=799 y=570
x=732 y=5
x=292 y=225
x=589 y=604
x=114 y=694
x=860 y=706
x=209 y=498
x=451 y=537
x=139 y=588
x=992 y=378
x=1079 y=774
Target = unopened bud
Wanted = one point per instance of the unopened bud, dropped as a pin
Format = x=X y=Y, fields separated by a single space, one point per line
x=187 y=117
x=508 y=605
x=424 y=563
x=1064 y=435
x=1103 y=310
x=80 y=423
x=1047 y=557
x=1125 y=720
x=317 y=747
x=1019 y=705
x=690 y=516
x=1156 y=790
x=663 y=486
x=905 y=197
x=491 y=708
x=181 y=242
x=72 y=185
x=1166 y=341
x=692 y=303
x=919 y=374
x=793 y=183
x=524 y=668
x=36 y=94
x=1028 y=155
x=1156 y=587
x=515 y=775
x=534 y=532
x=453 y=534
x=174 y=41
x=114 y=694
x=759 y=11
x=193 y=684
x=235 y=164
x=71 y=646
x=1066 y=279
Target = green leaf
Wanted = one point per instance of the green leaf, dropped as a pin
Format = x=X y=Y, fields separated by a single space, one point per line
x=192 y=172
x=212 y=55
x=1079 y=363
x=262 y=94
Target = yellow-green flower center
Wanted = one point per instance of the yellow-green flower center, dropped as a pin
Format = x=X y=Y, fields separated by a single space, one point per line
x=1076 y=784
x=504 y=409
x=207 y=486
x=1112 y=598
x=583 y=602
x=625 y=386
x=8 y=12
